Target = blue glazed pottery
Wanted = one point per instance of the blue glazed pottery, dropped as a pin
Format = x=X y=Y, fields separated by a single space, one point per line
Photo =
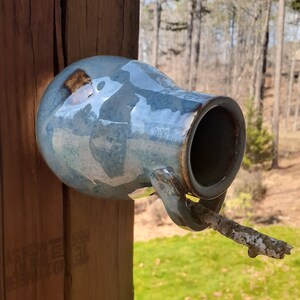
x=108 y=126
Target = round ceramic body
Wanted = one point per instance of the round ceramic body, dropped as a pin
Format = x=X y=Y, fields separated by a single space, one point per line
x=106 y=123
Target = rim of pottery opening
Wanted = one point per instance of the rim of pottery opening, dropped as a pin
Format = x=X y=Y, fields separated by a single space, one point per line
x=221 y=182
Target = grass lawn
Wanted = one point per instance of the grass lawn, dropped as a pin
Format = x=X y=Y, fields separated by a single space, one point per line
x=206 y=265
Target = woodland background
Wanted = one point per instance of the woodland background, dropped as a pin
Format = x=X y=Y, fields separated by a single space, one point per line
x=249 y=50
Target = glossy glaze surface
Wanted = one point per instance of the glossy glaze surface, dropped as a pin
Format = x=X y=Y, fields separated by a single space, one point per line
x=106 y=123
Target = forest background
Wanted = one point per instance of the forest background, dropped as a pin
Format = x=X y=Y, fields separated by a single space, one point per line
x=248 y=50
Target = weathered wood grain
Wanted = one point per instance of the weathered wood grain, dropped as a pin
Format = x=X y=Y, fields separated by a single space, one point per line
x=100 y=28
x=100 y=248
x=100 y=266
x=32 y=210
x=56 y=243
x=2 y=290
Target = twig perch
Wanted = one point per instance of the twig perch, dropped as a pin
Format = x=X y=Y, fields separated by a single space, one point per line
x=258 y=243
x=187 y=213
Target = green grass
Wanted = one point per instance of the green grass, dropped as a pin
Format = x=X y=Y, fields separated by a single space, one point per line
x=206 y=265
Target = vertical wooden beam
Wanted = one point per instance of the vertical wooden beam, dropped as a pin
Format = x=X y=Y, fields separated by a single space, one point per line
x=97 y=247
x=2 y=275
x=100 y=232
x=32 y=211
x=106 y=27
x=2 y=290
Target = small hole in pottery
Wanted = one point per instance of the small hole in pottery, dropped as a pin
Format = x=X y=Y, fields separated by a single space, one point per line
x=214 y=147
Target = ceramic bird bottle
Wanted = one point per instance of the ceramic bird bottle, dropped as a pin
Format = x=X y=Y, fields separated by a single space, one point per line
x=108 y=126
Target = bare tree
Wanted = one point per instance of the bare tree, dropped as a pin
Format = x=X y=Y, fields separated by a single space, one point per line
x=236 y=69
x=290 y=92
x=156 y=27
x=241 y=50
x=195 y=50
x=295 y=127
x=141 y=35
x=262 y=62
x=276 y=108
x=188 y=48
x=256 y=18
x=232 y=25
x=294 y=57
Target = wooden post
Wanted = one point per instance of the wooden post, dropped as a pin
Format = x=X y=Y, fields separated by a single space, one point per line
x=94 y=28
x=1 y=233
x=31 y=197
x=56 y=243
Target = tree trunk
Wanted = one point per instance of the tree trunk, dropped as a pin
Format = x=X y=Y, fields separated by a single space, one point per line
x=290 y=93
x=195 y=51
x=295 y=127
x=264 y=71
x=237 y=56
x=57 y=244
x=262 y=64
x=104 y=268
x=141 y=55
x=276 y=108
x=232 y=25
x=255 y=50
x=188 y=47
x=156 y=27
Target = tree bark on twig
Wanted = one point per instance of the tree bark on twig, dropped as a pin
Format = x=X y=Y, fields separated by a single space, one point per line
x=258 y=243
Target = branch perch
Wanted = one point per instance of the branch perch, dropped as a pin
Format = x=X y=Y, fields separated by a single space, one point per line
x=258 y=243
